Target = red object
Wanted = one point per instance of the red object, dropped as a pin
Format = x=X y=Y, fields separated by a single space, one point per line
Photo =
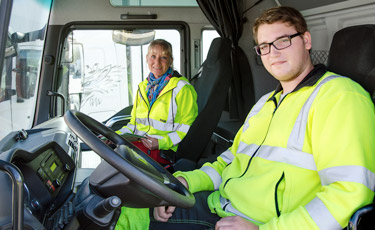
x=154 y=154
x=50 y=185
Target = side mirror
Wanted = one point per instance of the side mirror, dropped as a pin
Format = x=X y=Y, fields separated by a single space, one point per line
x=18 y=37
x=11 y=48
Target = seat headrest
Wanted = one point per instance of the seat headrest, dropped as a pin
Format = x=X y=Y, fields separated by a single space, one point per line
x=218 y=47
x=352 y=54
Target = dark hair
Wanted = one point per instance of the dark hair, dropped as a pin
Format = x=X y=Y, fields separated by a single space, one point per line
x=164 y=44
x=283 y=14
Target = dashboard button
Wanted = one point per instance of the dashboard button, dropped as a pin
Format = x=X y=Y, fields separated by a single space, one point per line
x=50 y=186
x=56 y=183
x=35 y=204
x=66 y=168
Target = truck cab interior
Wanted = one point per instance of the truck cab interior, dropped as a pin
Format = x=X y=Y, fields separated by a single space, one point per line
x=70 y=70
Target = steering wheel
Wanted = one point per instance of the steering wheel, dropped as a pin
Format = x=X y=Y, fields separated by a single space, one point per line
x=135 y=165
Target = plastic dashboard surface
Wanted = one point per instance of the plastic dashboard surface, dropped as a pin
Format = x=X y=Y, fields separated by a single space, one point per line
x=47 y=160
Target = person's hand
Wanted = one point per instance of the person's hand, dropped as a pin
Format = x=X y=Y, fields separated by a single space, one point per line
x=105 y=140
x=163 y=213
x=183 y=181
x=150 y=143
x=235 y=223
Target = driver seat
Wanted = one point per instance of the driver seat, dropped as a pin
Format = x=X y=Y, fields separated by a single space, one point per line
x=352 y=54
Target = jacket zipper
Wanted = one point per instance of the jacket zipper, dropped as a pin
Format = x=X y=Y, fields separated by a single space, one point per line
x=252 y=156
x=247 y=167
x=148 y=114
x=276 y=202
x=149 y=111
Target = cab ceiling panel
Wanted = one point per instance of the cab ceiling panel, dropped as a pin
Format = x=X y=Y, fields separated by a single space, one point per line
x=65 y=11
x=305 y=5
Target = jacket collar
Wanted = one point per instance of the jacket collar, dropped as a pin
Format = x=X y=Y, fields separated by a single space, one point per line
x=310 y=79
x=171 y=84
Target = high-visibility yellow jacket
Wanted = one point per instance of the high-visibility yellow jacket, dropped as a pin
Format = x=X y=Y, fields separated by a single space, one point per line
x=171 y=115
x=305 y=161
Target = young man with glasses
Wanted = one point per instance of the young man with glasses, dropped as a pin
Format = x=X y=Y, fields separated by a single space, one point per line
x=303 y=158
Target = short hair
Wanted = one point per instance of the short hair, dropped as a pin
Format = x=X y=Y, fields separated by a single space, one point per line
x=166 y=46
x=284 y=14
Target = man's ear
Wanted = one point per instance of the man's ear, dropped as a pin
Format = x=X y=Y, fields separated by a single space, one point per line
x=307 y=40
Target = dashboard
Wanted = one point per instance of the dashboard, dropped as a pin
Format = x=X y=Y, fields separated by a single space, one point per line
x=55 y=193
x=47 y=157
x=50 y=169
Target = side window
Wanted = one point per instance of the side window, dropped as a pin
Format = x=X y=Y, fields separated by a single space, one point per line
x=104 y=67
x=207 y=36
x=21 y=65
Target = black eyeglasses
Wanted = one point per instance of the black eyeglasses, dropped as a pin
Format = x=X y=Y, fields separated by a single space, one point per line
x=279 y=44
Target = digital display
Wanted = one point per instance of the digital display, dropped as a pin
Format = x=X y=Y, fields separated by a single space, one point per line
x=53 y=167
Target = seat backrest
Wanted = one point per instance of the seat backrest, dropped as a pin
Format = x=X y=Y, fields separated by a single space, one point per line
x=212 y=87
x=352 y=54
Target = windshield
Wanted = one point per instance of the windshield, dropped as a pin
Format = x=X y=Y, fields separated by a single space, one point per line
x=21 y=64
x=104 y=67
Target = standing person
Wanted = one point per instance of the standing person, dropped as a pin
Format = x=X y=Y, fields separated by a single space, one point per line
x=303 y=159
x=165 y=105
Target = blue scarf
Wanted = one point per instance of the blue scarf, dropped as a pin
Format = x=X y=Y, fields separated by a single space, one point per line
x=156 y=85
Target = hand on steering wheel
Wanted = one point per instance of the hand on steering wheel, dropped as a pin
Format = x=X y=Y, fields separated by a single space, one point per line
x=163 y=213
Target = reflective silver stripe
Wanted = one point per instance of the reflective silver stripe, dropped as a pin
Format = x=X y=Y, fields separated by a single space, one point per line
x=140 y=133
x=256 y=108
x=130 y=126
x=182 y=127
x=156 y=136
x=321 y=215
x=143 y=121
x=289 y=156
x=247 y=149
x=297 y=136
x=349 y=173
x=169 y=124
x=227 y=156
x=226 y=205
x=125 y=130
x=293 y=153
x=214 y=175
x=163 y=126
x=157 y=124
x=174 y=138
x=173 y=105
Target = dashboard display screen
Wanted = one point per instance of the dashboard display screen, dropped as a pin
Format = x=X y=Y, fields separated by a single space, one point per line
x=53 y=167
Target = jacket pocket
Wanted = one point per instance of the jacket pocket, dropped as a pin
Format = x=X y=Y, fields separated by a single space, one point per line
x=279 y=191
